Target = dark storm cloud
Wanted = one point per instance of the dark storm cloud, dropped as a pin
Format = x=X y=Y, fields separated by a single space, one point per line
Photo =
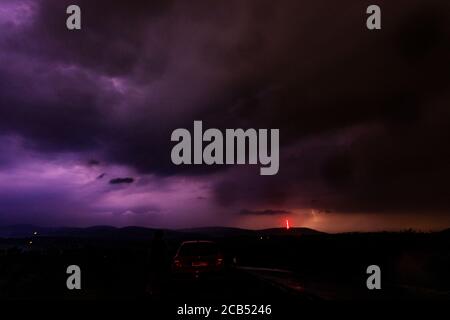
x=126 y=180
x=363 y=116
x=93 y=162
x=101 y=176
x=111 y=42
x=263 y=212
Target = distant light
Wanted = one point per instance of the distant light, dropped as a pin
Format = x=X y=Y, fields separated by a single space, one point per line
x=31 y=242
x=35 y=233
x=287 y=224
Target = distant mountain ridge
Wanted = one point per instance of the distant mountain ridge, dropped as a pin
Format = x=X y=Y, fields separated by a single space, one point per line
x=292 y=231
x=27 y=230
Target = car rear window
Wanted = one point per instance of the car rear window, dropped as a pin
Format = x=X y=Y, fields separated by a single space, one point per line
x=198 y=249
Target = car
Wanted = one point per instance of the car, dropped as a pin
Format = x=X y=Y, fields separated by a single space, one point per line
x=198 y=257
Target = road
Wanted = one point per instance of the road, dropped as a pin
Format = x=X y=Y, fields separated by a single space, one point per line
x=235 y=287
x=238 y=286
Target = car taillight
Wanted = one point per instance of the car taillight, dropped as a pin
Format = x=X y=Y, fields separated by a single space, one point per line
x=177 y=263
x=219 y=261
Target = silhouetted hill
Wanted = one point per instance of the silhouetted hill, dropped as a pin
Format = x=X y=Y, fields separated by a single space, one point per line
x=219 y=231
x=233 y=232
x=291 y=231
x=23 y=231
x=142 y=233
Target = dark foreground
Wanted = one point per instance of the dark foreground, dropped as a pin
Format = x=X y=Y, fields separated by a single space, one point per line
x=263 y=267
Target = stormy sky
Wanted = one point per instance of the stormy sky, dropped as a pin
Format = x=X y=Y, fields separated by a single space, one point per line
x=364 y=116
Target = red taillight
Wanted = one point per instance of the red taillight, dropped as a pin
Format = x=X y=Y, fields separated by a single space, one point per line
x=219 y=261
x=177 y=263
